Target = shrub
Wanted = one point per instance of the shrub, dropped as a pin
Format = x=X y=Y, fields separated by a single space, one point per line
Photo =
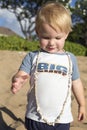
x=75 y=48
x=20 y=44
x=17 y=43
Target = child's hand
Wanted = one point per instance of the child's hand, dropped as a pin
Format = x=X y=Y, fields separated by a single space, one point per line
x=17 y=83
x=82 y=113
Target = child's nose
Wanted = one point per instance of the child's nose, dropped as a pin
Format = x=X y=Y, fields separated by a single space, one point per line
x=51 y=42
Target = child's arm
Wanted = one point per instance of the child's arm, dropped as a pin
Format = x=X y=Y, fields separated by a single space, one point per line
x=18 y=81
x=79 y=94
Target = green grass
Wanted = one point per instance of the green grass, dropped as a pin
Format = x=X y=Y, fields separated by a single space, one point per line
x=20 y=44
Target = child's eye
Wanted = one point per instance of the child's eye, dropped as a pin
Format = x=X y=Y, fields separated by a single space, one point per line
x=45 y=37
x=57 y=38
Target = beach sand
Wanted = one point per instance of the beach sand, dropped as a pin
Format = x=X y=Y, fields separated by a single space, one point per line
x=13 y=106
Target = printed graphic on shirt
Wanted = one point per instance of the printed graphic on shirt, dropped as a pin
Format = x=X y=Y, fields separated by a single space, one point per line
x=46 y=67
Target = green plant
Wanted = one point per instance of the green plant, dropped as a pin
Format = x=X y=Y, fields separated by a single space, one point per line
x=20 y=44
x=75 y=48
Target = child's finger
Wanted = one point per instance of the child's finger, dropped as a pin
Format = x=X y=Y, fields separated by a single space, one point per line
x=80 y=117
x=14 y=90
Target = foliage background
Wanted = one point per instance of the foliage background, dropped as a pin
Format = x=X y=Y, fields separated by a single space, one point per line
x=28 y=10
x=20 y=44
x=77 y=40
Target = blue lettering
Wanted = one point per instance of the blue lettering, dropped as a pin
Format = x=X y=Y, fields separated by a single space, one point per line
x=52 y=67
x=43 y=66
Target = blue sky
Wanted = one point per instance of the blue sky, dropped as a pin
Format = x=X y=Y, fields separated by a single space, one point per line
x=8 y=19
x=73 y=2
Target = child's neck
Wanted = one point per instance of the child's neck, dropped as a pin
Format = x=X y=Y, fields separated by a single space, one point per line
x=59 y=51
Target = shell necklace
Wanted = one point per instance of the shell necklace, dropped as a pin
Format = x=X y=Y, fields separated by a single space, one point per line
x=65 y=101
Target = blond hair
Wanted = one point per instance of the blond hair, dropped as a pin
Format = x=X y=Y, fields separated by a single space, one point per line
x=56 y=15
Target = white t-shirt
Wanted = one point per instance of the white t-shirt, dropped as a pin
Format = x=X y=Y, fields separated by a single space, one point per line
x=50 y=87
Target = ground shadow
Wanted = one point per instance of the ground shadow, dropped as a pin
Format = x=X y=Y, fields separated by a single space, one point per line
x=3 y=124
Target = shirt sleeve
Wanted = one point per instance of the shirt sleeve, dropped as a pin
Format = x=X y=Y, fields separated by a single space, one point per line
x=26 y=64
x=75 y=68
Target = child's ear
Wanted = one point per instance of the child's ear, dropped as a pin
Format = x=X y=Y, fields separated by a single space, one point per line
x=66 y=35
x=37 y=32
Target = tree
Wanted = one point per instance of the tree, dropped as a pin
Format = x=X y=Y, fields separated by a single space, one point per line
x=79 y=17
x=22 y=10
x=25 y=12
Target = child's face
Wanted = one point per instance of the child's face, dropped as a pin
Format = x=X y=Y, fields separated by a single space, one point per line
x=50 y=40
